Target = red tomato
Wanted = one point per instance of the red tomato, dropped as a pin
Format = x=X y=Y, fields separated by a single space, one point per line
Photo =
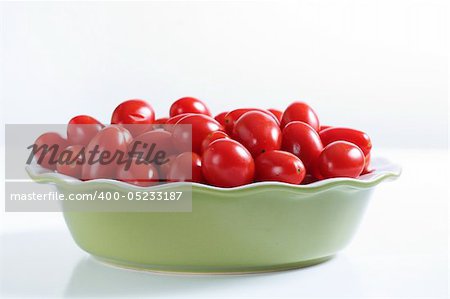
x=324 y=127
x=152 y=145
x=279 y=166
x=171 y=122
x=71 y=161
x=212 y=137
x=138 y=172
x=137 y=114
x=299 y=111
x=278 y=113
x=160 y=123
x=221 y=118
x=188 y=105
x=111 y=146
x=164 y=168
x=315 y=172
x=226 y=163
x=186 y=167
x=82 y=128
x=258 y=132
x=359 y=138
x=367 y=166
x=341 y=159
x=189 y=138
x=232 y=116
x=303 y=141
x=309 y=179
x=48 y=148
x=175 y=119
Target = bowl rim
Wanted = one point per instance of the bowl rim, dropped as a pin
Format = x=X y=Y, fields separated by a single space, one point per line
x=385 y=170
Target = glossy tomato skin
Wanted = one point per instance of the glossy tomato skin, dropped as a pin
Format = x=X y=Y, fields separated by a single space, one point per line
x=359 y=138
x=212 y=137
x=279 y=166
x=324 y=127
x=138 y=173
x=258 y=132
x=341 y=159
x=82 y=128
x=176 y=118
x=278 y=113
x=303 y=141
x=232 y=117
x=74 y=155
x=171 y=122
x=227 y=163
x=152 y=142
x=50 y=157
x=189 y=105
x=221 y=118
x=135 y=115
x=165 y=167
x=160 y=122
x=112 y=139
x=367 y=166
x=300 y=111
x=189 y=138
x=187 y=167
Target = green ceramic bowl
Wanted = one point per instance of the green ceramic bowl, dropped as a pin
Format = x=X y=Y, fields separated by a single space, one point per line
x=259 y=227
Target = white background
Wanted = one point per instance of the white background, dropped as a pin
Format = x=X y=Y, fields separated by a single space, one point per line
x=380 y=66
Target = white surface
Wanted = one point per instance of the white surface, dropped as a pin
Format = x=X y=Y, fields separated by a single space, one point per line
x=356 y=62
x=380 y=66
x=400 y=250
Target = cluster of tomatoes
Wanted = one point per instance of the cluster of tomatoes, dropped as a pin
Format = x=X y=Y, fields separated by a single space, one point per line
x=231 y=149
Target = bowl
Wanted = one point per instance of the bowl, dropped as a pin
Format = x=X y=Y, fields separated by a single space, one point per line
x=260 y=227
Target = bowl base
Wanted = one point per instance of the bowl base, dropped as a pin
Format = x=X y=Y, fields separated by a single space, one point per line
x=199 y=270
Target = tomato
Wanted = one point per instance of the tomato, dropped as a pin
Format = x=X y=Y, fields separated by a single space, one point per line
x=367 y=166
x=189 y=105
x=189 y=138
x=165 y=167
x=186 y=167
x=152 y=145
x=232 y=116
x=359 y=138
x=212 y=137
x=299 y=111
x=175 y=119
x=48 y=148
x=171 y=122
x=221 y=118
x=303 y=141
x=138 y=172
x=82 y=128
x=160 y=123
x=110 y=145
x=279 y=166
x=309 y=179
x=341 y=159
x=278 y=113
x=324 y=127
x=258 y=132
x=227 y=163
x=137 y=114
x=71 y=160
